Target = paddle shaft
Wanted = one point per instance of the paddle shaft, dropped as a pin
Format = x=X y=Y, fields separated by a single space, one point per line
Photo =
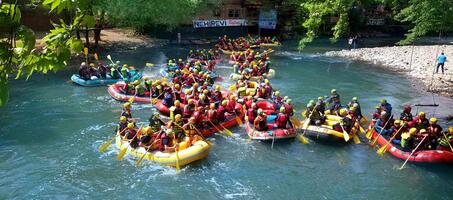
x=448 y=141
x=394 y=135
x=382 y=129
x=413 y=151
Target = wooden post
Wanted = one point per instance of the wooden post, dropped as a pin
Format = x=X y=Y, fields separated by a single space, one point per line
x=87 y=38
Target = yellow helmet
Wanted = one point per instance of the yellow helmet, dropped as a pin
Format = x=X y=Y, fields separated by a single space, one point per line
x=421 y=114
x=130 y=125
x=177 y=103
x=412 y=131
x=422 y=130
x=205 y=92
x=217 y=88
x=136 y=82
x=333 y=91
x=127 y=105
x=177 y=86
x=178 y=117
x=450 y=129
x=327 y=112
x=277 y=93
x=250 y=97
x=123 y=118
x=343 y=112
x=397 y=122
x=224 y=102
x=190 y=101
x=282 y=109
x=212 y=106
x=433 y=120
x=352 y=108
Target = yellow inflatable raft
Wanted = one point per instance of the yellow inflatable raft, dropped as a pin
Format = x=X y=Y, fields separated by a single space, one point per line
x=269 y=75
x=186 y=155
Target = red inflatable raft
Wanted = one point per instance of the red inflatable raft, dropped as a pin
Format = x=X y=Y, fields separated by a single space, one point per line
x=422 y=156
x=229 y=122
x=115 y=91
x=271 y=134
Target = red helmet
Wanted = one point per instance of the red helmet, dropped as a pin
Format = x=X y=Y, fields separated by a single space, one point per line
x=407 y=108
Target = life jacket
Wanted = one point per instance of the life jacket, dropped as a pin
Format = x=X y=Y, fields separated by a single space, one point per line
x=217 y=96
x=155 y=124
x=251 y=114
x=188 y=110
x=168 y=99
x=446 y=142
x=406 y=116
x=198 y=117
x=422 y=123
x=176 y=127
x=260 y=123
x=221 y=113
x=281 y=120
x=212 y=115
x=122 y=126
x=347 y=123
x=435 y=130
x=140 y=90
x=288 y=109
x=248 y=103
x=230 y=106
x=242 y=91
x=127 y=113
x=268 y=89
x=130 y=133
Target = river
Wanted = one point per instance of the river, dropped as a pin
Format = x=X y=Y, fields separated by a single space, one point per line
x=51 y=129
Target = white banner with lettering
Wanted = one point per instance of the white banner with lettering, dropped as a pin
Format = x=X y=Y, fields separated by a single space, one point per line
x=219 y=23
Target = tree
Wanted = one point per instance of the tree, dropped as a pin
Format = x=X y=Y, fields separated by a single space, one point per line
x=20 y=57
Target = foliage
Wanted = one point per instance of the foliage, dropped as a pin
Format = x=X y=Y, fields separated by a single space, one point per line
x=427 y=16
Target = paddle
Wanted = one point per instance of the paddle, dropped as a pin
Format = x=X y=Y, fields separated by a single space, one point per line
x=301 y=137
x=110 y=58
x=104 y=146
x=220 y=131
x=383 y=149
x=149 y=64
x=373 y=143
x=413 y=151
x=445 y=136
x=355 y=137
x=345 y=134
x=178 y=168
x=295 y=121
x=273 y=139
x=139 y=161
x=85 y=52
x=124 y=150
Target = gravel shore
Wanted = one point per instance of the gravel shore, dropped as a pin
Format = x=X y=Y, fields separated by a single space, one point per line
x=417 y=62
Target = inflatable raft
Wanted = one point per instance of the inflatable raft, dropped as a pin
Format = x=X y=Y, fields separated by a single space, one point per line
x=115 y=91
x=169 y=74
x=229 y=122
x=198 y=150
x=269 y=75
x=100 y=82
x=422 y=156
x=271 y=134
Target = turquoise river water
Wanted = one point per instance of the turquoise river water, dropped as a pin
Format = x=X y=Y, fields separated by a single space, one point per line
x=50 y=132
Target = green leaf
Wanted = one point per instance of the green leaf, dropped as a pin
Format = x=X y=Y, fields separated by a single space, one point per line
x=4 y=90
x=89 y=21
x=75 y=44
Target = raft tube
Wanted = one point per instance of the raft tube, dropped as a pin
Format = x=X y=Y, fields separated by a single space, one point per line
x=198 y=150
x=423 y=156
x=100 y=82
x=169 y=74
x=115 y=92
x=271 y=134
x=229 y=122
x=325 y=130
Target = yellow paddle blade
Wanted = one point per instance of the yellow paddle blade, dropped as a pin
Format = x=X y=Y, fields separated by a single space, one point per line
x=345 y=136
x=302 y=139
x=149 y=64
x=369 y=134
x=228 y=132
x=96 y=56
x=154 y=100
x=374 y=142
x=356 y=139
x=121 y=154
x=178 y=168
x=295 y=121
x=139 y=161
x=306 y=123
x=85 y=51
x=303 y=113
x=232 y=88
x=131 y=100
x=239 y=121
x=382 y=150
x=104 y=146
x=362 y=131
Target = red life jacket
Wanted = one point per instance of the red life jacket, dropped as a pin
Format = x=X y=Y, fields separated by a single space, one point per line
x=281 y=120
x=212 y=115
x=251 y=114
x=230 y=106
x=221 y=113
x=248 y=103
x=188 y=110
x=198 y=117
x=288 y=109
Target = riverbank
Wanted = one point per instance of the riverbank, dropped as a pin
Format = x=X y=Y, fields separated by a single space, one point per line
x=418 y=62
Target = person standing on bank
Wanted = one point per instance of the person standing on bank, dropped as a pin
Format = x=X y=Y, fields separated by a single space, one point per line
x=441 y=59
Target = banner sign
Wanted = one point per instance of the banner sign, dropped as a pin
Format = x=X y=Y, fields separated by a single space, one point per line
x=268 y=19
x=219 y=23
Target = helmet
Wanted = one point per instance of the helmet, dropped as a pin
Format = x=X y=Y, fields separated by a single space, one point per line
x=383 y=101
x=212 y=106
x=127 y=105
x=377 y=107
x=123 y=118
x=352 y=108
x=249 y=97
x=136 y=82
x=260 y=111
x=422 y=130
x=333 y=91
x=309 y=105
x=117 y=62
x=289 y=101
x=253 y=105
x=147 y=130
x=202 y=97
x=145 y=78
x=383 y=113
x=177 y=86
x=450 y=129
x=177 y=103
x=217 y=88
x=266 y=81
x=421 y=114
x=407 y=108
x=321 y=98
x=397 y=122
x=190 y=101
x=343 y=112
x=168 y=131
x=130 y=125
x=224 y=102
x=355 y=99
x=412 y=131
x=282 y=109
x=156 y=115
x=285 y=98
x=178 y=117
x=205 y=92
x=125 y=65
x=433 y=120
x=311 y=102
x=277 y=93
